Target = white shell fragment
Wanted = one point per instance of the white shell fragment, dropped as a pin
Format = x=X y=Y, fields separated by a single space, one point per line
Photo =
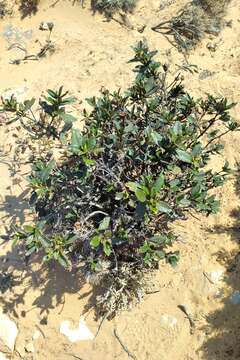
x=8 y=333
x=169 y=321
x=36 y=335
x=215 y=276
x=29 y=348
x=80 y=333
x=3 y=357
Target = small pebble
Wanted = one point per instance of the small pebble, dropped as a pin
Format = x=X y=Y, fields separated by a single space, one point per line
x=36 y=335
x=29 y=348
x=211 y=46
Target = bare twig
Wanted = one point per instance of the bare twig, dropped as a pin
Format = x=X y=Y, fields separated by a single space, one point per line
x=38 y=327
x=123 y=346
x=207 y=277
x=101 y=323
x=152 y=292
x=54 y=4
x=189 y=317
x=63 y=304
x=95 y=213
x=75 y=356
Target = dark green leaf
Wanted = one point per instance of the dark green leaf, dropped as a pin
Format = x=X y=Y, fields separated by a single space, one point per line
x=107 y=247
x=68 y=118
x=62 y=260
x=163 y=207
x=158 y=185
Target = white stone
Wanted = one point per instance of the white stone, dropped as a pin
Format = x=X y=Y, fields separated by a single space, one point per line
x=8 y=333
x=36 y=335
x=3 y=356
x=80 y=333
x=30 y=348
x=216 y=275
x=169 y=321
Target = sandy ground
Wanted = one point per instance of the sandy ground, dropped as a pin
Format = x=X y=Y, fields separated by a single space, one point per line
x=91 y=53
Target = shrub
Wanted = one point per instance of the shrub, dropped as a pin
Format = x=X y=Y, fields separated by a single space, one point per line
x=109 y=7
x=28 y=7
x=214 y=7
x=3 y=9
x=107 y=203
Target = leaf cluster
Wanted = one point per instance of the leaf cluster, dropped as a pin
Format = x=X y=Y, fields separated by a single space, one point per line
x=44 y=127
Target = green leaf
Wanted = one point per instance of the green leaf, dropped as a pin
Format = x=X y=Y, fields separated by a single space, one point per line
x=88 y=162
x=141 y=196
x=71 y=239
x=28 y=104
x=160 y=254
x=147 y=259
x=177 y=128
x=150 y=85
x=141 y=210
x=156 y=137
x=52 y=93
x=31 y=251
x=68 y=118
x=196 y=190
x=133 y=186
x=175 y=184
x=173 y=258
x=44 y=175
x=95 y=241
x=104 y=225
x=144 y=248
x=69 y=100
x=29 y=228
x=184 y=156
x=119 y=195
x=163 y=207
x=62 y=260
x=67 y=126
x=185 y=202
x=76 y=140
x=107 y=247
x=197 y=150
x=91 y=101
x=159 y=183
x=159 y=239
x=43 y=241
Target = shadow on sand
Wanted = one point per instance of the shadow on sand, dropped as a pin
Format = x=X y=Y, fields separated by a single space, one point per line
x=224 y=324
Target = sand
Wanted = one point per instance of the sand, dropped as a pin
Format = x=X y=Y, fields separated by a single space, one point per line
x=91 y=53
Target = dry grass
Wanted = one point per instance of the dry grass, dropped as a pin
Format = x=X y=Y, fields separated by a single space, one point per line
x=193 y=21
x=214 y=7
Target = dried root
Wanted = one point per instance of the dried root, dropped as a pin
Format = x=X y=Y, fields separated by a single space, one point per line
x=119 y=289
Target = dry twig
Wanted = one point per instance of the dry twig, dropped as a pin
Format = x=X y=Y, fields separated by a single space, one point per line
x=123 y=346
